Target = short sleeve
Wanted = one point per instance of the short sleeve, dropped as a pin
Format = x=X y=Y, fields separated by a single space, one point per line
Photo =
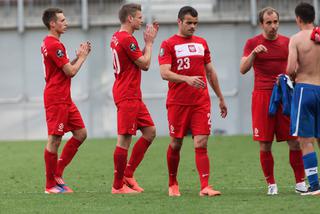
x=247 y=48
x=57 y=53
x=207 y=57
x=131 y=47
x=164 y=56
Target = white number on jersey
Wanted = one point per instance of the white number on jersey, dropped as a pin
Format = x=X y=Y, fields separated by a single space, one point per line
x=183 y=63
x=116 y=63
x=44 y=54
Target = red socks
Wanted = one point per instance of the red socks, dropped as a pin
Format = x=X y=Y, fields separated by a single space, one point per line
x=203 y=166
x=51 y=164
x=68 y=152
x=137 y=154
x=296 y=163
x=267 y=164
x=173 y=158
x=120 y=161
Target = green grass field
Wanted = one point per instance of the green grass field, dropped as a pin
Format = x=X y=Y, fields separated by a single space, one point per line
x=235 y=171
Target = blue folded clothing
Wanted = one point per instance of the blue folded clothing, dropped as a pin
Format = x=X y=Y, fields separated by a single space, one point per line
x=281 y=93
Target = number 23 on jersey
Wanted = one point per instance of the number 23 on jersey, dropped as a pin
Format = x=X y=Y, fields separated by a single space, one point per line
x=183 y=63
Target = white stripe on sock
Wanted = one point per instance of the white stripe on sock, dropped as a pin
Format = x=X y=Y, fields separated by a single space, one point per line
x=311 y=171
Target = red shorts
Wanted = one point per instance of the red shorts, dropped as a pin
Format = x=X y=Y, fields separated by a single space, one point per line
x=264 y=126
x=62 y=118
x=182 y=118
x=132 y=115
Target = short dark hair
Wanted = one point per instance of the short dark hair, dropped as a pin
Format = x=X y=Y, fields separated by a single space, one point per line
x=187 y=10
x=128 y=9
x=305 y=11
x=49 y=15
x=269 y=11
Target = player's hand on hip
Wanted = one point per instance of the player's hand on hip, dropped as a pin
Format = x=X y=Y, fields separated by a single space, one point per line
x=196 y=81
x=223 y=109
x=260 y=49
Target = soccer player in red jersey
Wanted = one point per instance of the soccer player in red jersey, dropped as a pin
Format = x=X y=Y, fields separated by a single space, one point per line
x=268 y=54
x=62 y=114
x=186 y=64
x=132 y=113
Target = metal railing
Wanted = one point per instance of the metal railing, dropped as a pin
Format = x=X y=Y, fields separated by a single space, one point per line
x=20 y=14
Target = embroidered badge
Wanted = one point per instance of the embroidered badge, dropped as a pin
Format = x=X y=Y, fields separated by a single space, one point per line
x=133 y=47
x=60 y=53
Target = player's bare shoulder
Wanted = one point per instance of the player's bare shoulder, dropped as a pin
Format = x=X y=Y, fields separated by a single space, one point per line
x=303 y=41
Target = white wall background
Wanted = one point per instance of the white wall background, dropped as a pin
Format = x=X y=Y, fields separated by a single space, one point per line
x=21 y=83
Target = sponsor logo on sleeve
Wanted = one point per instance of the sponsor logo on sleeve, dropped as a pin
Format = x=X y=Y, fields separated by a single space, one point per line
x=60 y=53
x=133 y=47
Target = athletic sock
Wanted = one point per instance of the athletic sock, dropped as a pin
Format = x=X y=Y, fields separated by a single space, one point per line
x=137 y=154
x=51 y=164
x=311 y=168
x=173 y=158
x=68 y=152
x=296 y=163
x=203 y=166
x=120 y=161
x=267 y=164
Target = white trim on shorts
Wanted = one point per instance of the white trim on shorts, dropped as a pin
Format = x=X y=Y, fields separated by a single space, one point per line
x=298 y=114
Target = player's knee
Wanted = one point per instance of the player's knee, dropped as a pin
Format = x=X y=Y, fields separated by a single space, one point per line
x=80 y=135
x=54 y=141
x=153 y=133
x=176 y=146
x=150 y=134
x=200 y=142
x=55 y=144
x=265 y=146
x=294 y=145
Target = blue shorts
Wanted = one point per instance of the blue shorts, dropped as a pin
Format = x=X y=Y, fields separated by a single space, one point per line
x=305 y=111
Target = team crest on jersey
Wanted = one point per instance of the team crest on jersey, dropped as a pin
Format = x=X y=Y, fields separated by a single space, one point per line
x=133 y=47
x=161 y=52
x=60 y=53
x=192 y=48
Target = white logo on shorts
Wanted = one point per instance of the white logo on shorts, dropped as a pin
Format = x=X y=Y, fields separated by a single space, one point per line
x=172 y=129
x=209 y=120
x=256 y=132
x=60 y=127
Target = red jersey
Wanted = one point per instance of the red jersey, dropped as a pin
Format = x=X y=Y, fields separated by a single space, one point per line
x=187 y=56
x=267 y=66
x=125 y=51
x=57 y=89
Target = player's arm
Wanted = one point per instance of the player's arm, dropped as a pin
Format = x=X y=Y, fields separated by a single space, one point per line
x=167 y=74
x=292 y=59
x=247 y=61
x=214 y=83
x=149 y=35
x=72 y=68
x=143 y=62
x=74 y=61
